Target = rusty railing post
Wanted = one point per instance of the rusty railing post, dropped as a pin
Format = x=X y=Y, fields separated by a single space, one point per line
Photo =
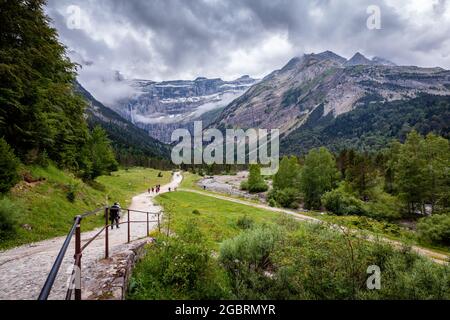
x=159 y=223
x=129 y=238
x=148 y=226
x=106 y=233
x=78 y=255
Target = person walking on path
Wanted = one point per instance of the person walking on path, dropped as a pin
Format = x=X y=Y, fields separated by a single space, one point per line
x=114 y=215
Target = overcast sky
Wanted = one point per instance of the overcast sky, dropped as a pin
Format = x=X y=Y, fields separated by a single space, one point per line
x=184 y=39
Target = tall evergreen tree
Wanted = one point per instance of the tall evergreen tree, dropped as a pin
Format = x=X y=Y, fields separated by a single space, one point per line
x=361 y=175
x=39 y=111
x=437 y=173
x=410 y=173
x=98 y=154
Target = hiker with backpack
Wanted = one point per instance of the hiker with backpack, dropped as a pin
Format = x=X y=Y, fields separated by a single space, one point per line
x=114 y=215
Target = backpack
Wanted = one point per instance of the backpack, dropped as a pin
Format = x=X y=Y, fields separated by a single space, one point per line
x=114 y=212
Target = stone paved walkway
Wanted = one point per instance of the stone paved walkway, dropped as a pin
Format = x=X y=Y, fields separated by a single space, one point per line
x=23 y=270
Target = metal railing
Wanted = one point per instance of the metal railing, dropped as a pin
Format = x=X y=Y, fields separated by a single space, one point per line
x=75 y=278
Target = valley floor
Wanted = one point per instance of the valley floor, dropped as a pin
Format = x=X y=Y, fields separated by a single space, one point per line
x=433 y=255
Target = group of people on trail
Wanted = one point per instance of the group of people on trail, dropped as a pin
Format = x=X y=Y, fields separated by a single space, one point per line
x=156 y=189
x=114 y=211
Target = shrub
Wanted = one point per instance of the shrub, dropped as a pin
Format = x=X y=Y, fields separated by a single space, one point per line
x=249 y=250
x=384 y=206
x=244 y=185
x=9 y=166
x=435 y=229
x=341 y=203
x=287 y=198
x=8 y=211
x=255 y=183
x=258 y=187
x=245 y=223
x=246 y=258
x=196 y=212
x=272 y=203
x=177 y=268
x=160 y=175
x=71 y=193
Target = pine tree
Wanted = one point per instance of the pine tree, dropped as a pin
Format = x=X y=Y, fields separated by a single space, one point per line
x=410 y=173
x=361 y=175
x=38 y=108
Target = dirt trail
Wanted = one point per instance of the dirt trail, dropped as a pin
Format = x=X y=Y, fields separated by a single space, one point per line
x=23 y=270
x=435 y=256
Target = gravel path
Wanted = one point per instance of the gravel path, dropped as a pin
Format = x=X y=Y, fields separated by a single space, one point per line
x=23 y=270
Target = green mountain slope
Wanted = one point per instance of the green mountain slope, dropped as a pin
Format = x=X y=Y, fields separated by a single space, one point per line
x=371 y=125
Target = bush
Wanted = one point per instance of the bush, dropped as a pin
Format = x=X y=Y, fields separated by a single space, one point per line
x=196 y=212
x=341 y=203
x=272 y=203
x=8 y=211
x=245 y=223
x=249 y=250
x=71 y=193
x=255 y=183
x=9 y=166
x=160 y=175
x=384 y=206
x=177 y=268
x=244 y=185
x=435 y=229
x=258 y=188
x=287 y=198
x=246 y=259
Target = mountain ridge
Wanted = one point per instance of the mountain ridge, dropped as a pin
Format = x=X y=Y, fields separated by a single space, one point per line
x=287 y=97
x=127 y=139
x=161 y=107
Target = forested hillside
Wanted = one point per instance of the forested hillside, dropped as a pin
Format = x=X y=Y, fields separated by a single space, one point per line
x=133 y=146
x=372 y=125
x=41 y=119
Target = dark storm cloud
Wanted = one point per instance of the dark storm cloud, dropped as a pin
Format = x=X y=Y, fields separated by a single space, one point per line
x=169 y=39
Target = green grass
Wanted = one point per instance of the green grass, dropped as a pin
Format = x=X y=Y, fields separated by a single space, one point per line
x=388 y=230
x=312 y=261
x=217 y=218
x=190 y=181
x=44 y=206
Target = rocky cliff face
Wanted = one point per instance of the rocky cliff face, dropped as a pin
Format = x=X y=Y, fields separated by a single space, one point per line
x=123 y=134
x=161 y=107
x=288 y=97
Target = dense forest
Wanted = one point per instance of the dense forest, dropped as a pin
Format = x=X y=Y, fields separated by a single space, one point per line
x=405 y=181
x=133 y=146
x=41 y=118
x=371 y=126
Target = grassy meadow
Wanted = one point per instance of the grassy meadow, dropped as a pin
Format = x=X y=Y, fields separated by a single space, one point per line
x=222 y=250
